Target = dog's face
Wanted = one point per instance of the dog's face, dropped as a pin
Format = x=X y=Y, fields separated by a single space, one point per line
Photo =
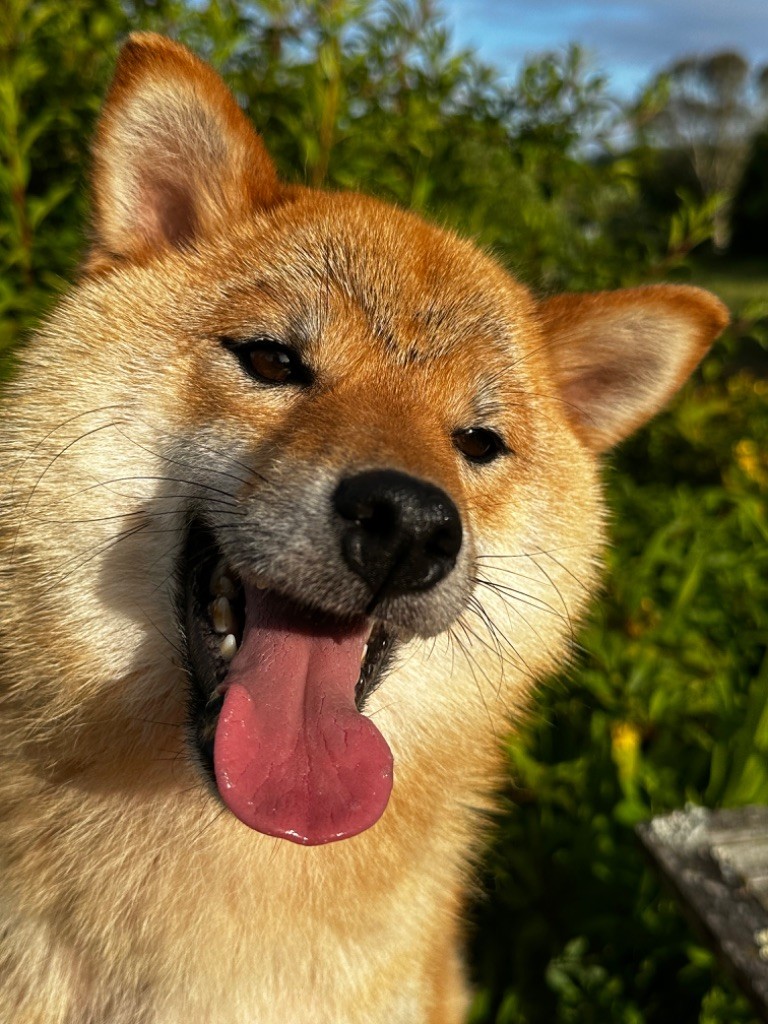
x=325 y=433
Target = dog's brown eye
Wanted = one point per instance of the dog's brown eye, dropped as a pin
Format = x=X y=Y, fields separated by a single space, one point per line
x=273 y=365
x=269 y=362
x=478 y=444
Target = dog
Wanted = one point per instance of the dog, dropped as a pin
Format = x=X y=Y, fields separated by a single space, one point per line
x=300 y=499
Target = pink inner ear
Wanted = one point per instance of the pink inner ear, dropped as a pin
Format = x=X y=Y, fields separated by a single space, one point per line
x=611 y=396
x=612 y=382
x=166 y=212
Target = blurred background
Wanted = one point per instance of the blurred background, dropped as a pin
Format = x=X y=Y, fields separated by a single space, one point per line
x=642 y=157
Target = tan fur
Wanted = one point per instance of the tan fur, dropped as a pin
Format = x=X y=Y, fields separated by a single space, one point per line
x=129 y=896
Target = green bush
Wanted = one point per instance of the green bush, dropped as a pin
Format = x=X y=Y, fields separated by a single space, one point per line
x=667 y=702
x=55 y=60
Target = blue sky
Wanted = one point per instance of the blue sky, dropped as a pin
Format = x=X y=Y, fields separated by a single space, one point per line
x=629 y=39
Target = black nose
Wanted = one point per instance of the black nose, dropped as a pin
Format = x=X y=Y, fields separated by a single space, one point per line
x=400 y=534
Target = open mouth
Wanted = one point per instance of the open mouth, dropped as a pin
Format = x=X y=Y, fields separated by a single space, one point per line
x=277 y=693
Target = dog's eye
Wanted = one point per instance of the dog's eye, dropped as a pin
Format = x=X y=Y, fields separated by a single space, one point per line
x=269 y=361
x=478 y=444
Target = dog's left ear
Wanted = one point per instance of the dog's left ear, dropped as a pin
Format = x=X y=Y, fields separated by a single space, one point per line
x=619 y=356
x=175 y=159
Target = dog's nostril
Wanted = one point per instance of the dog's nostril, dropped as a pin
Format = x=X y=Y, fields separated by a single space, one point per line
x=378 y=517
x=399 y=534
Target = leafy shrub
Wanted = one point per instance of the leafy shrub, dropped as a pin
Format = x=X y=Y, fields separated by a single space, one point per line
x=667 y=706
x=55 y=60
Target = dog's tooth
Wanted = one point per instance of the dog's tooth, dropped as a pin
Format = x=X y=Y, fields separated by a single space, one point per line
x=222 y=584
x=228 y=647
x=365 y=652
x=221 y=615
x=217 y=694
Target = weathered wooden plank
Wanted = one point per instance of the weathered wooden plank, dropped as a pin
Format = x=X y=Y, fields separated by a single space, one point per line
x=717 y=861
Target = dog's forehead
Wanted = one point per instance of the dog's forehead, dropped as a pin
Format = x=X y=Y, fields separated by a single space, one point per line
x=421 y=291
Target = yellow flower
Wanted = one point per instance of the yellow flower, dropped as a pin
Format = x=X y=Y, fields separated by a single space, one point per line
x=625 y=749
x=752 y=461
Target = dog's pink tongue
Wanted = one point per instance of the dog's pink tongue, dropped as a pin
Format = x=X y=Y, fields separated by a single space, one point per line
x=293 y=756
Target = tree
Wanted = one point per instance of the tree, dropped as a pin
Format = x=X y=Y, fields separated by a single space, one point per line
x=714 y=104
x=750 y=205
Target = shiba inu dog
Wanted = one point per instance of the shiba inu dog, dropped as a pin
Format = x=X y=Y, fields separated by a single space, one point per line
x=300 y=498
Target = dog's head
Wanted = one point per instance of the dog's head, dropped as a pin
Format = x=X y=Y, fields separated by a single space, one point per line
x=323 y=432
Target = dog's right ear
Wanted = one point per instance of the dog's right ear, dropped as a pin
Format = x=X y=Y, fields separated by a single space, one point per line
x=175 y=159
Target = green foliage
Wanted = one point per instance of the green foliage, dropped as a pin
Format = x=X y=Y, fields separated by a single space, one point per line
x=667 y=704
x=55 y=60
